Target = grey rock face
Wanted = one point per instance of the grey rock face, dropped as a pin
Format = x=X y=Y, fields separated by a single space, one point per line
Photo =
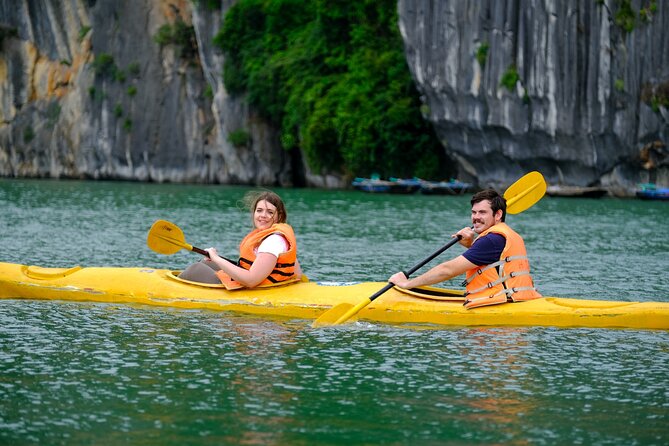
x=86 y=91
x=580 y=109
x=575 y=111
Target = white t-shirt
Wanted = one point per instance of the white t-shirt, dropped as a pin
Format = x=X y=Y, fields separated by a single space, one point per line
x=274 y=244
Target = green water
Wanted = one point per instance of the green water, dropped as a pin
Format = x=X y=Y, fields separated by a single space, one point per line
x=84 y=373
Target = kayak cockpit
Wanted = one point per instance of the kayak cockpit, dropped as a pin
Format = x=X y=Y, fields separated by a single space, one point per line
x=38 y=272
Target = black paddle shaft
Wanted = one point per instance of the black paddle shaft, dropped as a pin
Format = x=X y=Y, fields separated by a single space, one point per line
x=206 y=254
x=200 y=251
x=418 y=266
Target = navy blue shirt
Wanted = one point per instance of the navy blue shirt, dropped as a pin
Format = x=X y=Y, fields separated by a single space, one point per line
x=486 y=249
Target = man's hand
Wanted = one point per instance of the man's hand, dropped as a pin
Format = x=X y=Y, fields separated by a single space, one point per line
x=399 y=279
x=467 y=236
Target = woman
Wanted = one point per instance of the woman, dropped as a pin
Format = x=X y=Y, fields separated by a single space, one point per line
x=268 y=254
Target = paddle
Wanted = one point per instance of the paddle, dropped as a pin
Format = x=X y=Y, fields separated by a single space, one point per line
x=342 y=312
x=520 y=196
x=167 y=238
x=525 y=193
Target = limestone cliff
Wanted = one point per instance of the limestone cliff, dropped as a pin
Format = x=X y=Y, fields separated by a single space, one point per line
x=133 y=90
x=572 y=88
x=125 y=90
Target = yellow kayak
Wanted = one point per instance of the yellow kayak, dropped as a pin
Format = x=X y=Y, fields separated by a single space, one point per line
x=308 y=300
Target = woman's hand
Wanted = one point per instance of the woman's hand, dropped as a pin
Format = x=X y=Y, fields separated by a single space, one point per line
x=213 y=255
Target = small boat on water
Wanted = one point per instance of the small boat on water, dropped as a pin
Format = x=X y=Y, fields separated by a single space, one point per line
x=649 y=191
x=452 y=187
x=410 y=186
x=391 y=186
x=309 y=300
x=576 y=191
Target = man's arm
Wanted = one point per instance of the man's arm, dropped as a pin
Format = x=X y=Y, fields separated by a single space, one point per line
x=439 y=273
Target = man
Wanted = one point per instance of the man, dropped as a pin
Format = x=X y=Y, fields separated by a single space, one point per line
x=496 y=263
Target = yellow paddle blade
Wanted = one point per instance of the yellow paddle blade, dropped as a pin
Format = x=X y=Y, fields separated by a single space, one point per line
x=166 y=238
x=331 y=316
x=340 y=313
x=525 y=192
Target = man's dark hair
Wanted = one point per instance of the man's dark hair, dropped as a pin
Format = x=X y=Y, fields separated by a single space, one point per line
x=497 y=202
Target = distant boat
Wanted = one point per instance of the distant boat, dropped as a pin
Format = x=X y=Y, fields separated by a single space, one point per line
x=576 y=191
x=452 y=187
x=649 y=191
x=391 y=186
x=410 y=186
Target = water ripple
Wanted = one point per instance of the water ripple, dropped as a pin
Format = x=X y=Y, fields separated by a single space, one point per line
x=74 y=373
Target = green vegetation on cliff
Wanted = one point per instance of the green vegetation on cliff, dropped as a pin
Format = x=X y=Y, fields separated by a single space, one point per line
x=333 y=77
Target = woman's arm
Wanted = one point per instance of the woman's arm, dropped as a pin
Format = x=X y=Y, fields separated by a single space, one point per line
x=261 y=268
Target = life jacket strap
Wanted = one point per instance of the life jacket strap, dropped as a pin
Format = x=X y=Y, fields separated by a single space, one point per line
x=498 y=281
x=249 y=263
x=480 y=271
x=511 y=291
x=494 y=298
x=281 y=273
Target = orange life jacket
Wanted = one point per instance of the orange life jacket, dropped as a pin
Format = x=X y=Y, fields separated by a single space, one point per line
x=507 y=280
x=284 y=270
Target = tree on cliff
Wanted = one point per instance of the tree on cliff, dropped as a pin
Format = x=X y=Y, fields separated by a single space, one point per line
x=332 y=76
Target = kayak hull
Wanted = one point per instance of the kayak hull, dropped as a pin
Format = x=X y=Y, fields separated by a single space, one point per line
x=308 y=300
